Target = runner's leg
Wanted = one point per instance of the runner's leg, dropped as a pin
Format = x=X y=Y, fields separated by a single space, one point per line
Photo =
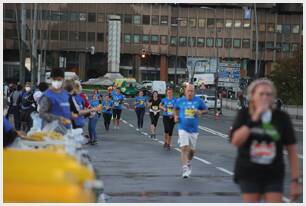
x=142 y=113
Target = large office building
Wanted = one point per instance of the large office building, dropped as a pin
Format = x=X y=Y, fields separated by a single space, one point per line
x=165 y=33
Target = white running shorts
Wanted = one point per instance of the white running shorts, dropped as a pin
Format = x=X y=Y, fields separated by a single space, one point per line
x=187 y=139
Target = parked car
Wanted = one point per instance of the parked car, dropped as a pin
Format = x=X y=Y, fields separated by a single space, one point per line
x=210 y=101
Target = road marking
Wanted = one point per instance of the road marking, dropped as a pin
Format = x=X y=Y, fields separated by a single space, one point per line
x=225 y=170
x=202 y=160
x=225 y=136
x=131 y=125
x=177 y=149
x=160 y=141
x=124 y=121
x=146 y=134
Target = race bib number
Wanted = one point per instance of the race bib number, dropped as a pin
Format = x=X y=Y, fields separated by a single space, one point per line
x=170 y=110
x=190 y=113
x=141 y=102
x=155 y=107
x=262 y=153
x=116 y=104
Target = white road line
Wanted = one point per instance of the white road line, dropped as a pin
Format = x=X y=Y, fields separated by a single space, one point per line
x=225 y=170
x=125 y=122
x=177 y=149
x=160 y=141
x=202 y=160
x=131 y=125
x=225 y=136
x=146 y=134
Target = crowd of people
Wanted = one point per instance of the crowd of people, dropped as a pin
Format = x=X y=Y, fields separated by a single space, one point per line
x=260 y=131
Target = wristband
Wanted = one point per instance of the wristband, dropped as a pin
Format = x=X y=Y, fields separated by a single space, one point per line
x=250 y=124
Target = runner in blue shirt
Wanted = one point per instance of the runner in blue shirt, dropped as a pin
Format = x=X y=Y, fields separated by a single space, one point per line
x=140 y=109
x=167 y=105
x=107 y=106
x=187 y=111
x=93 y=119
x=118 y=100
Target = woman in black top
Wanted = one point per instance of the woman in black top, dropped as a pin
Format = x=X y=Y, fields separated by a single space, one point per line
x=260 y=132
x=154 y=112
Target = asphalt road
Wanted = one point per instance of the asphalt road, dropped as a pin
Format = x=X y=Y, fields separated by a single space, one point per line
x=135 y=168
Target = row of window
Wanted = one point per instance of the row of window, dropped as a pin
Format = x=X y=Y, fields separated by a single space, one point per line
x=156 y=39
x=159 y=20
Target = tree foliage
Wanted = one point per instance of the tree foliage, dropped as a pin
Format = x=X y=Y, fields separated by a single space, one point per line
x=288 y=78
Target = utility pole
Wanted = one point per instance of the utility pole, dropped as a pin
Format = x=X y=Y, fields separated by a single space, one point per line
x=34 y=70
x=256 y=52
x=22 y=43
x=177 y=42
x=217 y=66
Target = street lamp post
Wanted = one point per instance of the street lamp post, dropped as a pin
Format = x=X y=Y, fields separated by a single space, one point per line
x=217 y=56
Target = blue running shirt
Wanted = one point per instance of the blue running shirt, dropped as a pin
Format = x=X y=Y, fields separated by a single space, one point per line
x=169 y=105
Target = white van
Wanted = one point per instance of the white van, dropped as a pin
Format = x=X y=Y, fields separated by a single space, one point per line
x=159 y=86
x=68 y=75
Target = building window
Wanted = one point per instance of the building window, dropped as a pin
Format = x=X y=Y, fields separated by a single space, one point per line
x=285 y=47
x=246 y=24
x=146 y=19
x=164 y=39
x=136 y=38
x=173 y=21
x=92 y=17
x=63 y=35
x=192 y=22
x=164 y=20
x=54 y=35
x=294 y=46
x=246 y=43
x=128 y=19
x=145 y=39
x=173 y=41
x=201 y=23
x=55 y=16
x=100 y=18
x=220 y=23
x=237 y=43
x=200 y=42
x=154 y=39
x=286 y=29
x=183 y=22
x=127 y=38
x=136 y=19
x=295 y=29
x=278 y=47
x=64 y=16
x=191 y=41
x=209 y=42
x=83 y=17
x=279 y=28
x=228 y=23
x=10 y=34
x=74 y=16
x=28 y=14
x=100 y=37
x=91 y=36
x=262 y=27
x=228 y=43
x=269 y=45
x=237 y=23
x=183 y=41
x=261 y=46
x=219 y=42
x=82 y=36
x=210 y=23
x=155 y=20
x=45 y=15
x=9 y=14
x=73 y=36
x=270 y=27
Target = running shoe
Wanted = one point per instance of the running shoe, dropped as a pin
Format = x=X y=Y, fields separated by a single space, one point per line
x=154 y=136
x=165 y=145
x=189 y=168
x=94 y=142
x=168 y=147
x=185 y=172
x=137 y=129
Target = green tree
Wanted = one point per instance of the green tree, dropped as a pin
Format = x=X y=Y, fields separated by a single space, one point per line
x=288 y=78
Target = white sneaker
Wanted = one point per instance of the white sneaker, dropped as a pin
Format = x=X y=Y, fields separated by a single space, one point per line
x=185 y=172
x=189 y=169
x=137 y=130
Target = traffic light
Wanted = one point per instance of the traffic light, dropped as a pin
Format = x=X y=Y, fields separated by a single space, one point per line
x=143 y=53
